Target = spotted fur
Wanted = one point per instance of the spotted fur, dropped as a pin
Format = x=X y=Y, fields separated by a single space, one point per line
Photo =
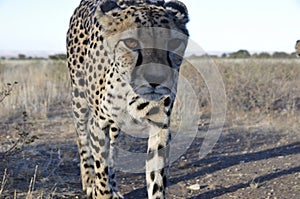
x=118 y=81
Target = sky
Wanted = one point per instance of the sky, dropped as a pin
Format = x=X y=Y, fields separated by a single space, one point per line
x=215 y=25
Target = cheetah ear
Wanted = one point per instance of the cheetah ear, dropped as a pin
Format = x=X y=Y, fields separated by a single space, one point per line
x=108 y=6
x=178 y=9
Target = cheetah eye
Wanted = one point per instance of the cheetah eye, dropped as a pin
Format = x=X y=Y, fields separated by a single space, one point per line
x=174 y=44
x=131 y=43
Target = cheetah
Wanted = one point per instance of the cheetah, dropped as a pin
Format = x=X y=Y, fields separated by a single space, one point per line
x=124 y=58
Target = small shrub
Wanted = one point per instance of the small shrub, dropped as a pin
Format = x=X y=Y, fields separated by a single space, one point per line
x=23 y=128
x=6 y=91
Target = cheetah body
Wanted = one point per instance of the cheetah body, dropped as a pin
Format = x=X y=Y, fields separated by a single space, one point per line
x=124 y=57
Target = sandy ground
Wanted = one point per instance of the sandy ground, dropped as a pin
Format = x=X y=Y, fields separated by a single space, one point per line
x=247 y=162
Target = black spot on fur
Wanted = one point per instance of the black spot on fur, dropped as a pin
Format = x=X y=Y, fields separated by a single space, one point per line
x=160 y=147
x=106 y=170
x=142 y=106
x=137 y=20
x=83 y=110
x=165 y=181
x=81 y=59
x=85 y=42
x=103 y=184
x=114 y=129
x=87 y=166
x=81 y=82
x=162 y=172
x=132 y=102
x=169 y=113
x=167 y=101
x=98 y=164
x=164 y=21
x=152 y=175
x=113 y=176
x=101 y=142
x=155 y=189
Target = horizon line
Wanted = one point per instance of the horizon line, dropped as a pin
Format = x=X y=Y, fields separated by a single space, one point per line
x=45 y=53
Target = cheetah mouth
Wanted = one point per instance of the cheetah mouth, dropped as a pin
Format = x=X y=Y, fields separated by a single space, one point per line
x=152 y=94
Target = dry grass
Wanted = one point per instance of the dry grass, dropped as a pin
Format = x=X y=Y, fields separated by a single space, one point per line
x=41 y=84
x=258 y=90
x=252 y=85
x=262 y=91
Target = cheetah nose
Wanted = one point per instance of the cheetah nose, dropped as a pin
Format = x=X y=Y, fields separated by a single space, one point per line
x=154 y=85
x=154 y=79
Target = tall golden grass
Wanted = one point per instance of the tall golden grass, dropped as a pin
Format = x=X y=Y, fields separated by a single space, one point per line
x=258 y=91
x=41 y=84
x=267 y=87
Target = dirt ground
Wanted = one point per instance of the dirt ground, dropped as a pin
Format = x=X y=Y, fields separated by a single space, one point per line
x=247 y=162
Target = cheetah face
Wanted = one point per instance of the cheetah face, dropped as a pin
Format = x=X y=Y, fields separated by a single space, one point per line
x=147 y=52
x=148 y=59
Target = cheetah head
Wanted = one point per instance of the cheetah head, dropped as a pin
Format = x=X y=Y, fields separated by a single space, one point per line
x=146 y=43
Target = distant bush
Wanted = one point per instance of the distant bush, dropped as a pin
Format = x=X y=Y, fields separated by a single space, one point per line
x=58 y=57
x=21 y=56
x=224 y=55
x=281 y=55
x=294 y=54
x=240 y=54
x=261 y=55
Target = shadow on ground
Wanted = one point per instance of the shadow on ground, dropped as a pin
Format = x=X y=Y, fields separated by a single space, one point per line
x=195 y=169
x=58 y=167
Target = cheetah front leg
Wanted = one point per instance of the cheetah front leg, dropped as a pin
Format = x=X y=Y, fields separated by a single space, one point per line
x=100 y=146
x=114 y=132
x=157 y=162
x=81 y=115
